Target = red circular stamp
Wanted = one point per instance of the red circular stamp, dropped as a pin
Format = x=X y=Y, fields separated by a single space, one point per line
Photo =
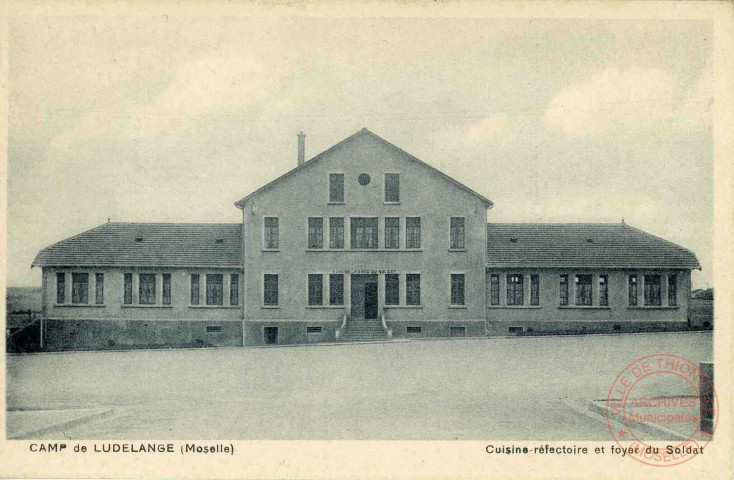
x=662 y=410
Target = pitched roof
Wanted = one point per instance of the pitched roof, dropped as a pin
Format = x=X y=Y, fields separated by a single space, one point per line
x=149 y=245
x=581 y=245
x=363 y=132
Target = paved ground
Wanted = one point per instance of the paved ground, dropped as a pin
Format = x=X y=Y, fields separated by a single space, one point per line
x=529 y=388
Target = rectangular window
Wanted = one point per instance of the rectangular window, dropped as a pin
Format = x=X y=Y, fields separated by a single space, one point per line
x=515 y=329
x=457 y=233
x=336 y=187
x=146 y=290
x=413 y=329
x=652 y=290
x=392 y=187
x=215 y=289
x=413 y=232
x=313 y=329
x=672 y=291
x=60 y=288
x=315 y=289
x=515 y=289
x=413 y=289
x=213 y=328
x=583 y=290
x=315 y=232
x=457 y=331
x=99 y=289
x=563 y=292
x=603 y=291
x=364 y=232
x=534 y=290
x=632 y=290
x=336 y=289
x=79 y=288
x=336 y=232
x=457 y=289
x=194 y=289
x=392 y=232
x=234 y=289
x=270 y=289
x=271 y=233
x=494 y=290
x=128 y=291
x=392 y=289
x=166 y=289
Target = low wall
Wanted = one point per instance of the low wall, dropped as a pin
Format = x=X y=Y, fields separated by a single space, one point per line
x=61 y=334
x=472 y=328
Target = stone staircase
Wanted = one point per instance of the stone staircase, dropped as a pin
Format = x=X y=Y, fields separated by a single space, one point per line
x=362 y=330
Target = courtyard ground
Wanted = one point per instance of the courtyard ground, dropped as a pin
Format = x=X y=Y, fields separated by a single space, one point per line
x=520 y=388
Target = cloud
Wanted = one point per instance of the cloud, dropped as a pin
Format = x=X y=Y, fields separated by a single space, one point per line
x=489 y=128
x=612 y=97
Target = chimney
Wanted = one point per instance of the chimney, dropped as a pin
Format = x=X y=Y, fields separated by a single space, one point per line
x=301 y=148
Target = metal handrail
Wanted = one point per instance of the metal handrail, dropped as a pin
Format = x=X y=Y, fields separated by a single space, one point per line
x=342 y=327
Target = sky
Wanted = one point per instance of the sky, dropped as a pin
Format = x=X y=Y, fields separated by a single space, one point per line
x=173 y=119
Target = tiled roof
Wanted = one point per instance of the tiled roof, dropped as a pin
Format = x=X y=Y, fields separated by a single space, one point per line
x=240 y=203
x=149 y=245
x=581 y=245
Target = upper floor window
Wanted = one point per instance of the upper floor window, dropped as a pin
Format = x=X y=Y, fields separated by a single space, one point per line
x=672 y=291
x=99 y=288
x=494 y=289
x=336 y=232
x=270 y=289
x=315 y=232
x=603 y=291
x=563 y=290
x=79 y=288
x=392 y=232
x=413 y=232
x=60 y=287
x=336 y=188
x=146 y=290
x=457 y=288
x=364 y=232
x=392 y=187
x=534 y=290
x=271 y=232
x=652 y=291
x=632 y=290
x=515 y=289
x=214 y=289
x=583 y=290
x=457 y=233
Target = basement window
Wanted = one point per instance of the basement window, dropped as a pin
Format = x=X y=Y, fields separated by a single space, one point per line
x=457 y=331
x=213 y=329
x=313 y=329
x=413 y=329
x=219 y=241
x=516 y=329
x=138 y=239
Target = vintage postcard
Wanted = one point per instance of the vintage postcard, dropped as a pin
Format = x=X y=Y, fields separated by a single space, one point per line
x=368 y=240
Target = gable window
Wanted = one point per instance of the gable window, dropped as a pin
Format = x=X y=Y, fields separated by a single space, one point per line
x=652 y=290
x=534 y=290
x=166 y=293
x=364 y=232
x=270 y=289
x=457 y=288
x=603 y=291
x=632 y=290
x=413 y=232
x=127 y=298
x=457 y=233
x=336 y=232
x=271 y=233
x=79 y=288
x=583 y=290
x=494 y=289
x=60 y=288
x=194 y=289
x=392 y=187
x=336 y=289
x=515 y=289
x=413 y=289
x=315 y=289
x=234 y=289
x=336 y=188
x=392 y=289
x=146 y=290
x=563 y=292
x=214 y=289
x=392 y=232
x=99 y=288
x=672 y=291
x=315 y=232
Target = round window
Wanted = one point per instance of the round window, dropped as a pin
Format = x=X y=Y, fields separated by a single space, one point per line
x=363 y=179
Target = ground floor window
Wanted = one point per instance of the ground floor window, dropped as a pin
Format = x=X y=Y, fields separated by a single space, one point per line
x=583 y=290
x=270 y=290
x=194 y=289
x=146 y=290
x=99 y=288
x=79 y=288
x=128 y=290
x=457 y=288
x=336 y=289
x=672 y=291
x=534 y=290
x=632 y=290
x=392 y=289
x=494 y=290
x=60 y=288
x=652 y=290
x=564 y=290
x=214 y=289
x=166 y=293
x=603 y=291
x=515 y=289
x=315 y=289
x=234 y=289
x=413 y=289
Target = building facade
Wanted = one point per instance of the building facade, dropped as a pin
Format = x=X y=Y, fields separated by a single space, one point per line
x=362 y=242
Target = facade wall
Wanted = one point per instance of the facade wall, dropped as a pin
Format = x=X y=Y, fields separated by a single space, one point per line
x=551 y=316
x=423 y=193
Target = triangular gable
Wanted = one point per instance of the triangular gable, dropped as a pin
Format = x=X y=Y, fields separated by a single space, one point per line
x=240 y=204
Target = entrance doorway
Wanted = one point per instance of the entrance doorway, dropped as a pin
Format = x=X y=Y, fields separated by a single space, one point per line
x=365 y=303
x=271 y=335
